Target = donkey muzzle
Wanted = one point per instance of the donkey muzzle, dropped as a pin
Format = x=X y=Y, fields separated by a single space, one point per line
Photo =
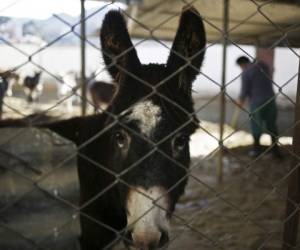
x=147 y=220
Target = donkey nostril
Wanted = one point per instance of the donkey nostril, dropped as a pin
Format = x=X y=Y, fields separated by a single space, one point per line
x=128 y=238
x=147 y=241
x=164 y=239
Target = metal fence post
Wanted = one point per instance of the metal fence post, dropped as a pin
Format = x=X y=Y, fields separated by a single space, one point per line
x=82 y=56
x=292 y=212
x=223 y=88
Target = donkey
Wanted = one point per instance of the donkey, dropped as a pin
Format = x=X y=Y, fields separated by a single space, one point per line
x=133 y=159
x=11 y=77
x=31 y=83
x=101 y=93
x=5 y=86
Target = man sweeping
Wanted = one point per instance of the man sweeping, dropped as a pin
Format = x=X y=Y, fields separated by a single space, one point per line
x=257 y=89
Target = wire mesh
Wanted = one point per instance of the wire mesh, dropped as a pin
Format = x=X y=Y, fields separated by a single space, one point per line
x=41 y=207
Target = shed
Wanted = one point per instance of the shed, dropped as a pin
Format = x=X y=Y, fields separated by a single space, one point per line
x=255 y=22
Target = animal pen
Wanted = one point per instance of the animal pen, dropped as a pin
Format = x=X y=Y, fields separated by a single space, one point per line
x=231 y=201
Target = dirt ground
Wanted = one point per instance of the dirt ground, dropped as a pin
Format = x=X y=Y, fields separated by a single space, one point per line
x=244 y=212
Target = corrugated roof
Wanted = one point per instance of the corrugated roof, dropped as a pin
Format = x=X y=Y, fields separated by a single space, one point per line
x=260 y=22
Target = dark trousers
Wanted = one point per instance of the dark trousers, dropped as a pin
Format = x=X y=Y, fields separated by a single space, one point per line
x=263 y=119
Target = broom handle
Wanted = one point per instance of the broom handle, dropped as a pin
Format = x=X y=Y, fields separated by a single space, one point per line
x=235 y=117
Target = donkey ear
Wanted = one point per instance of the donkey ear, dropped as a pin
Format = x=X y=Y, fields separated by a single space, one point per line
x=188 y=48
x=117 y=49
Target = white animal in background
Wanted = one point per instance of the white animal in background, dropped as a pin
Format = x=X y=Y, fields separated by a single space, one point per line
x=68 y=89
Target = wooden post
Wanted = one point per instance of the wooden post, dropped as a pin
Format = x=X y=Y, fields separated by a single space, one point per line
x=223 y=88
x=292 y=213
x=82 y=55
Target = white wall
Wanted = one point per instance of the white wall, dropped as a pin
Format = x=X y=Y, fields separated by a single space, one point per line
x=59 y=59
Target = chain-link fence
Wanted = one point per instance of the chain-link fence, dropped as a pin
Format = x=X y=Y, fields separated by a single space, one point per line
x=142 y=171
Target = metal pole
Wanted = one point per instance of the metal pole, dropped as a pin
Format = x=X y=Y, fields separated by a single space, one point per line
x=290 y=232
x=223 y=89
x=82 y=56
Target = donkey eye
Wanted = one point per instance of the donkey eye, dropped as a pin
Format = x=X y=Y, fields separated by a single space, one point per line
x=180 y=142
x=120 y=139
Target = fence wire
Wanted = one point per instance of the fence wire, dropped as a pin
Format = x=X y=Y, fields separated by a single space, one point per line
x=40 y=206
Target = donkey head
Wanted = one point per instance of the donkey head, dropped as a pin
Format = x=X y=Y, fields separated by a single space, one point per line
x=150 y=143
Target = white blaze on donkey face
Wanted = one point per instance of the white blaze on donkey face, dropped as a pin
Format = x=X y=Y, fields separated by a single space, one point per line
x=147 y=114
x=147 y=219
